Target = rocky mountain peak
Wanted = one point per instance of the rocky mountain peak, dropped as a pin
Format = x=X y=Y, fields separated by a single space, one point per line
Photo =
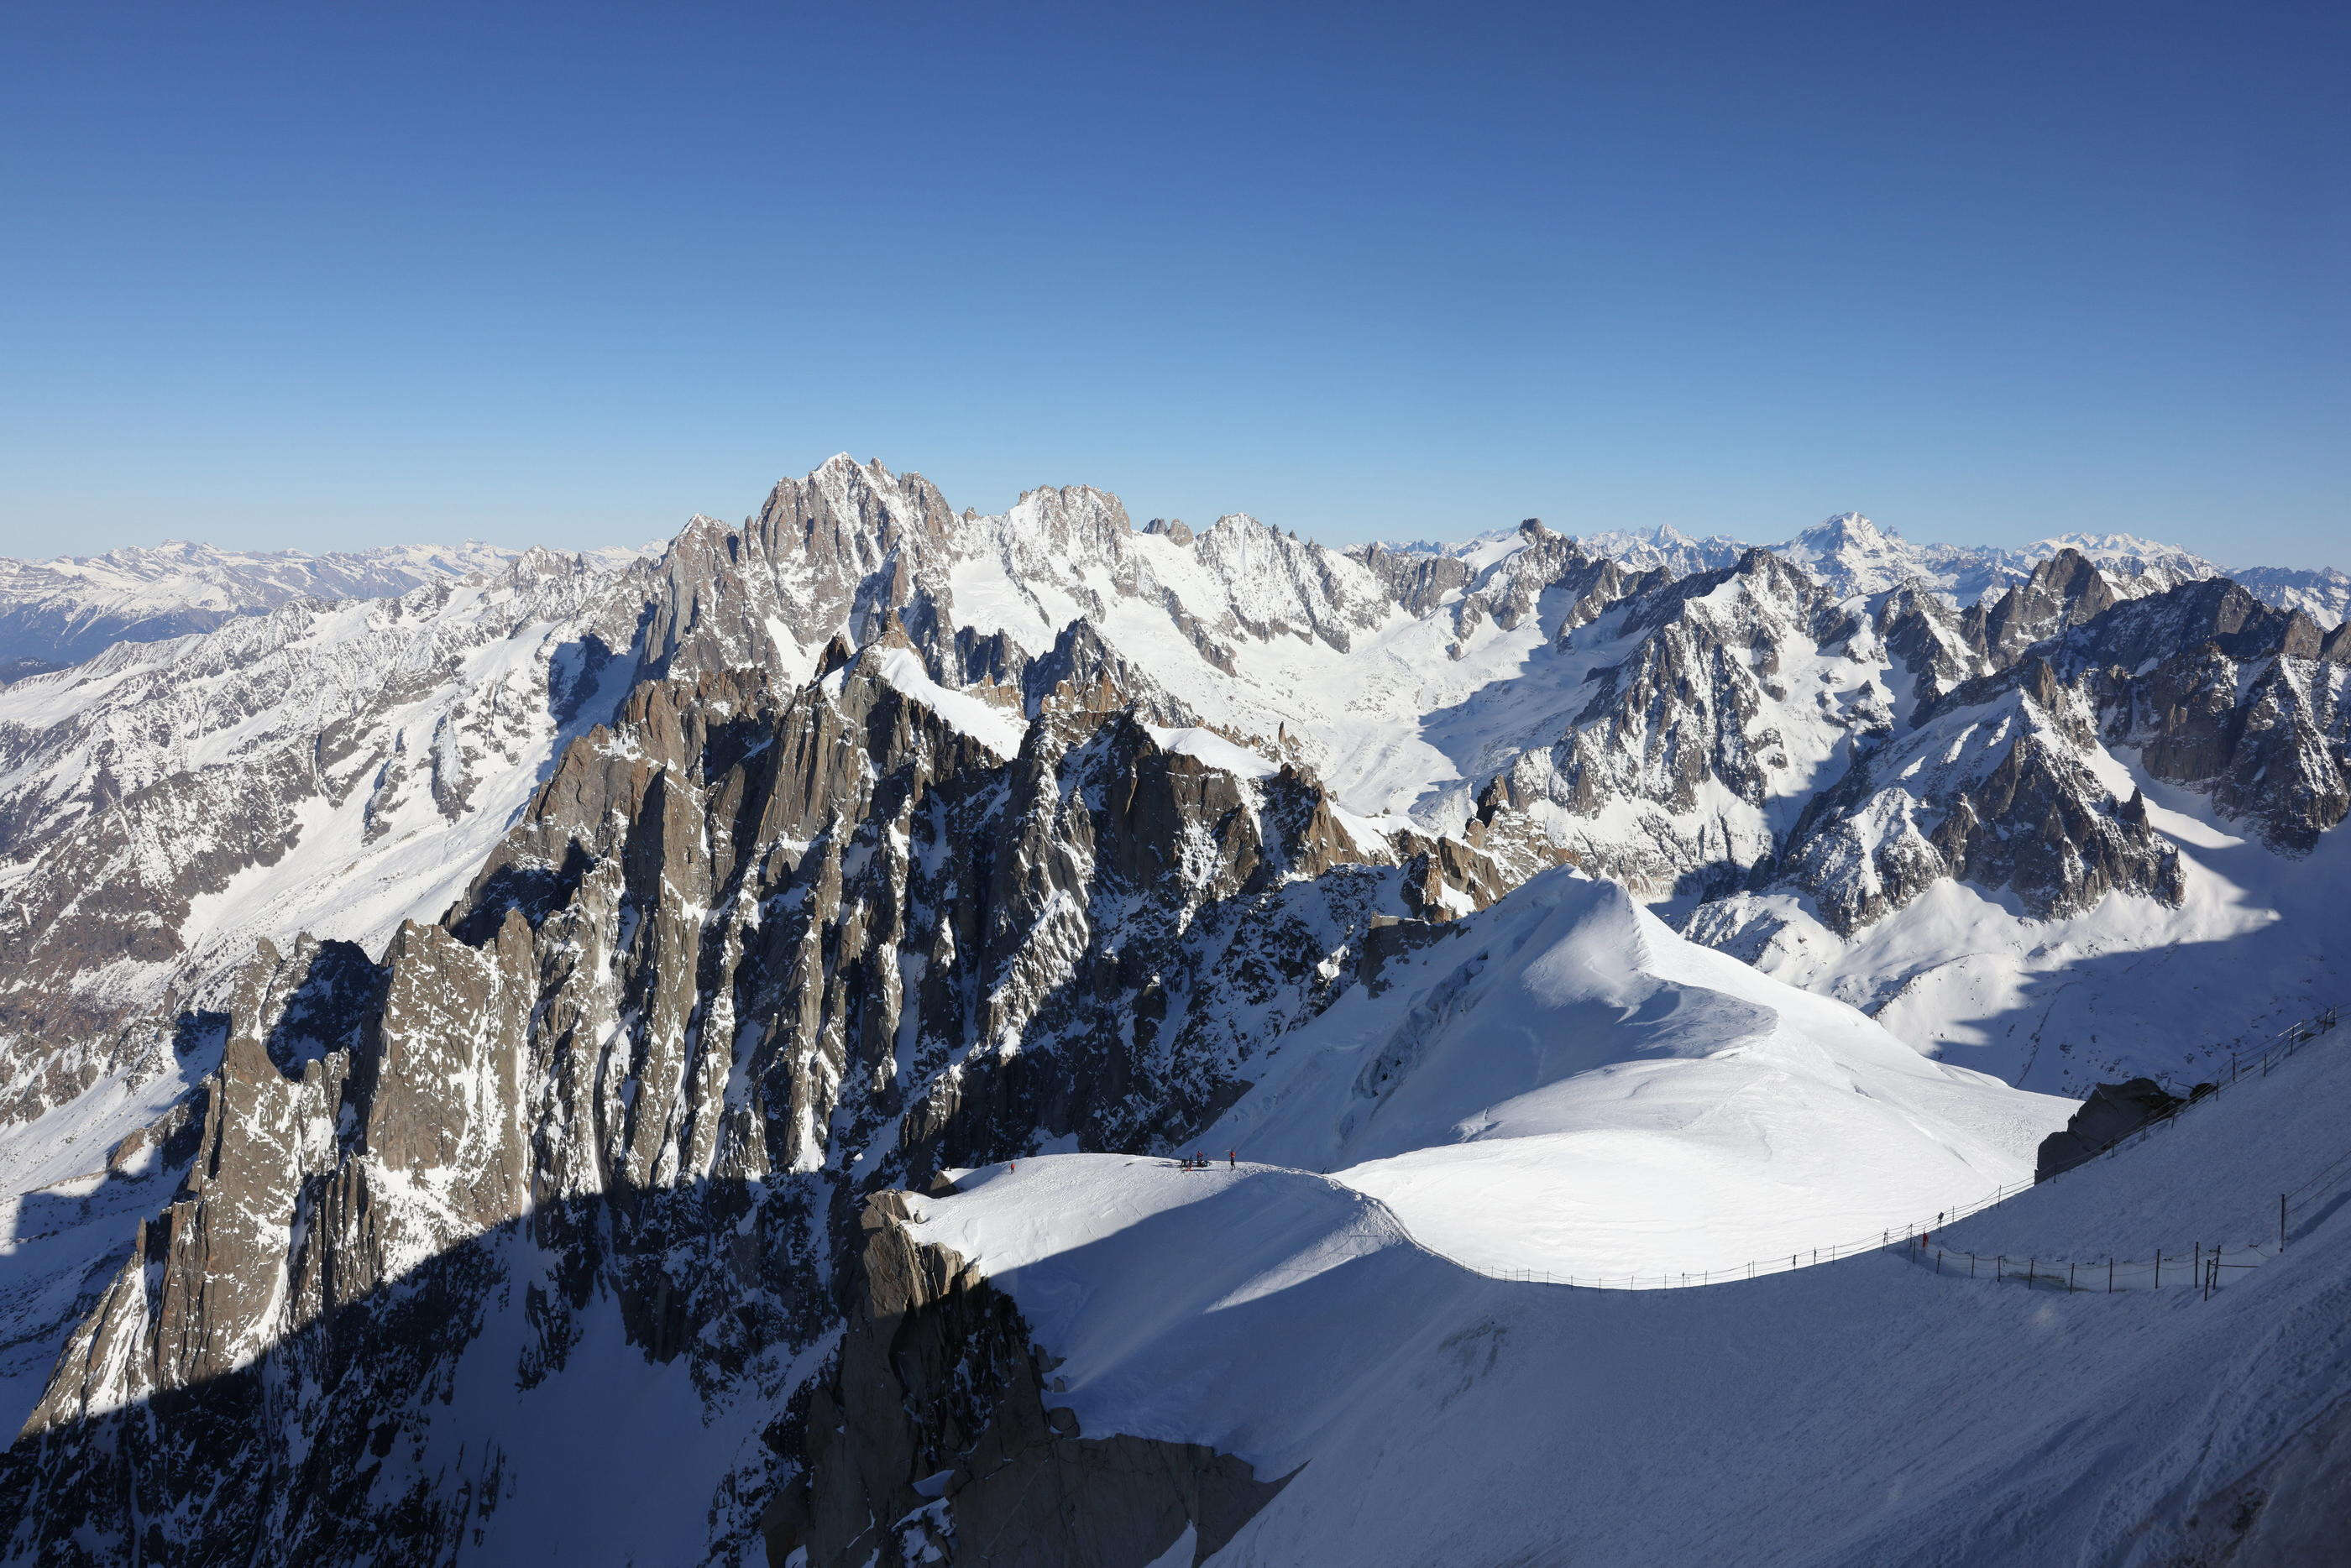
x=2065 y=591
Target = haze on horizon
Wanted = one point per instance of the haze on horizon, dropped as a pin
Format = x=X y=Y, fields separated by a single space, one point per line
x=281 y=277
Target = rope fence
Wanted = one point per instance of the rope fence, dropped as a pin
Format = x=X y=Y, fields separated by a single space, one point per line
x=2199 y=1265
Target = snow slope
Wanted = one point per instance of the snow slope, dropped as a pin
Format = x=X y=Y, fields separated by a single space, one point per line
x=1565 y=1085
x=2131 y=985
x=1866 y=1412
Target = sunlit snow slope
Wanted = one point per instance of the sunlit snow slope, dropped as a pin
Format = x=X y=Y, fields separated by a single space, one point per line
x=1564 y=1084
x=1866 y=1412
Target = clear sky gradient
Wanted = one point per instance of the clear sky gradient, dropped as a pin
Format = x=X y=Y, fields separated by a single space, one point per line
x=323 y=276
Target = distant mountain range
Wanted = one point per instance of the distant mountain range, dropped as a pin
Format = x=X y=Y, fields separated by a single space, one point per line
x=1851 y=554
x=60 y=611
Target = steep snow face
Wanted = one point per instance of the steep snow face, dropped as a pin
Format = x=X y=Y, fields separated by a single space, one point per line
x=1563 y=1084
x=1682 y=734
x=1654 y=728
x=915 y=837
x=754 y=949
x=1662 y=547
x=1727 y=699
x=1940 y=801
x=2137 y=566
x=2010 y=871
x=1851 y=555
x=62 y=611
x=1250 y=630
x=1866 y=1412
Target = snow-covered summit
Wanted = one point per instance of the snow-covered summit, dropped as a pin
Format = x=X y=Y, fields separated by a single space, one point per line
x=62 y=610
x=1666 y=548
x=1852 y=554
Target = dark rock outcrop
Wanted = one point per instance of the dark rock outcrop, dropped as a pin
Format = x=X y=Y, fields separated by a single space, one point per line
x=2063 y=591
x=2113 y=1111
x=933 y=1440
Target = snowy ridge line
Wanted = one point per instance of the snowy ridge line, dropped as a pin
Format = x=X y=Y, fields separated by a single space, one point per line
x=1755 y=1268
x=2289 y=1040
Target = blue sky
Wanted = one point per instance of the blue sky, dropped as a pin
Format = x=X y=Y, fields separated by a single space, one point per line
x=329 y=276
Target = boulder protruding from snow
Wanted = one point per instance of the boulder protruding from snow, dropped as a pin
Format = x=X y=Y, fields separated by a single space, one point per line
x=2113 y=1111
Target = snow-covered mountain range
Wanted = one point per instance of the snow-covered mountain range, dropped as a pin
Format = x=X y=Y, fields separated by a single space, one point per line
x=58 y=612
x=1848 y=554
x=435 y=1022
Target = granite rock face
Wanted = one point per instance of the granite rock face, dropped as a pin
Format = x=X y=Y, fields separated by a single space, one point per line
x=1995 y=779
x=933 y=1440
x=319 y=767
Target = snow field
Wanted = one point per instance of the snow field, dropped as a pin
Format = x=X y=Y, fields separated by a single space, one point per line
x=2107 y=992
x=1563 y=1080
x=1866 y=1412
x=1564 y=1085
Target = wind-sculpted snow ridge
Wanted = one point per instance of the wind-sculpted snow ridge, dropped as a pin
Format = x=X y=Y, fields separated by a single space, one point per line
x=1563 y=1083
x=1869 y=1412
